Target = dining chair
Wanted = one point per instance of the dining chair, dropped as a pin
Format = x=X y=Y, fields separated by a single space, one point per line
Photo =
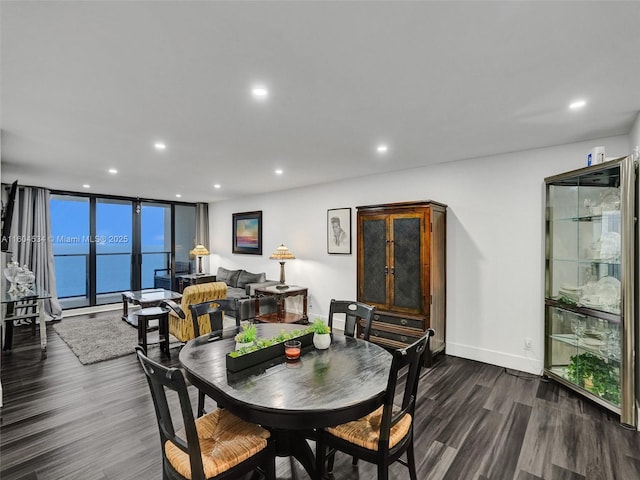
x=384 y=435
x=218 y=445
x=212 y=309
x=215 y=309
x=352 y=311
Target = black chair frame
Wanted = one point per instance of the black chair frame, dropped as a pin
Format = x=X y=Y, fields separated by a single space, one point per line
x=210 y=308
x=215 y=309
x=161 y=379
x=410 y=356
x=353 y=311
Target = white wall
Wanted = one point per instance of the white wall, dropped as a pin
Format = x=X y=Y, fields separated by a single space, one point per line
x=495 y=231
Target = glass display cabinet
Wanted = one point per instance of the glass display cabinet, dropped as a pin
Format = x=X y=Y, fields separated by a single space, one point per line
x=590 y=284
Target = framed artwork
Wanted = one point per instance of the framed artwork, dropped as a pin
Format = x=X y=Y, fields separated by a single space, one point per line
x=247 y=233
x=339 y=230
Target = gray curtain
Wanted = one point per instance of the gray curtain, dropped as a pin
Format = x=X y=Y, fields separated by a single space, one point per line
x=202 y=225
x=31 y=225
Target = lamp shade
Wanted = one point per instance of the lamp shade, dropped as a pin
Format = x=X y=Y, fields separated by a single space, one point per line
x=282 y=253
x=200 y=250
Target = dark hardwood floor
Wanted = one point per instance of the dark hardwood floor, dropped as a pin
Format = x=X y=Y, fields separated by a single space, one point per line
x=62 y=420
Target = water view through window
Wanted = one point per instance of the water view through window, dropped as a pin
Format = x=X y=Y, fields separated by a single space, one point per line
x=112 y=244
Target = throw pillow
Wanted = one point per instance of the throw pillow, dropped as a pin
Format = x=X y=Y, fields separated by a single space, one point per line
x=248 y=277
x=230 y=277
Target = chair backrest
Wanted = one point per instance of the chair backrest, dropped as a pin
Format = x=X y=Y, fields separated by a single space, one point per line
x=183 y=267
x=161 y=379
x=229 y=307
x=353 y=311
x=212 y=309
x=412 y=358
x=246 y=307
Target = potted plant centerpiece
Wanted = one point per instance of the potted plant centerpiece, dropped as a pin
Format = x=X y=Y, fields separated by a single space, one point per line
x=247 y=337
x=321 y=334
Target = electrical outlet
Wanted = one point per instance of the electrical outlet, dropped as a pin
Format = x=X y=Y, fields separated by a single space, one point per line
x=527 y=344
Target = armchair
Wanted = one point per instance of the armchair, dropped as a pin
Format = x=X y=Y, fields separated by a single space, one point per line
x=182 y=328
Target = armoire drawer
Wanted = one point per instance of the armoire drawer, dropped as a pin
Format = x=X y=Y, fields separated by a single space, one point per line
x=417 y=323
x=403 y=336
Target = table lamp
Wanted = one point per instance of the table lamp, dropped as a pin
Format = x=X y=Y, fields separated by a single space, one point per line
x=282 y=254
x=199 y=251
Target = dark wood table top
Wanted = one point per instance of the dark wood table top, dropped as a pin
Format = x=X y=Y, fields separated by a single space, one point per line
x=324 y=388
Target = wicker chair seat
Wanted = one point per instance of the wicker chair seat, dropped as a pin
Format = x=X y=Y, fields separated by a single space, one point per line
x=365 y=432
x=225 y=441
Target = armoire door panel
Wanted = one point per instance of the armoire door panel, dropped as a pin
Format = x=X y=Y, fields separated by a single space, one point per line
x=406 y=267
x=374 y=267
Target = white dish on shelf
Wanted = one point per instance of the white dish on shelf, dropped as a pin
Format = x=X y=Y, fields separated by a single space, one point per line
x=608 y=290
x=610 y=246
x=591 y=342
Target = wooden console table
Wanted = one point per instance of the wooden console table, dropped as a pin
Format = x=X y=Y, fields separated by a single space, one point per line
x=281 y=315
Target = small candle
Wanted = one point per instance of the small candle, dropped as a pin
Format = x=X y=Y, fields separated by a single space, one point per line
x=292 y=349
x=292 y=353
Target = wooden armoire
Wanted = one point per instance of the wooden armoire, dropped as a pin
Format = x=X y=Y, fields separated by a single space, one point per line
x=401 y=270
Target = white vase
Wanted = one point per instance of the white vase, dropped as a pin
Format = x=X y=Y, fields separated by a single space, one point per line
x=321 y=340
x=240 y=345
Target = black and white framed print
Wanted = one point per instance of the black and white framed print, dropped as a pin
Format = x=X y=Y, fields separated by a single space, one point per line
x=339 y=230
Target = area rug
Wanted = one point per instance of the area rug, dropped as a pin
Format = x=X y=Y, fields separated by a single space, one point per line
x=94 y=340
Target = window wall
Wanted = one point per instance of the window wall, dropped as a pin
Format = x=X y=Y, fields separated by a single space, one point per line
x=103 y=246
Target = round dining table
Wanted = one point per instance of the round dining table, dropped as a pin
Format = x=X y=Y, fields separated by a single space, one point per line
x=292 y=398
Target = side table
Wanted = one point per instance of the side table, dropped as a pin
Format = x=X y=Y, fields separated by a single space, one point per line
x=281 y=315
x=146 y=337
x=145 y=298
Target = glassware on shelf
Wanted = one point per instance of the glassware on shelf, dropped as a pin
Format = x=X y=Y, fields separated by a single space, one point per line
x=11 y=274
x=610 y=200
x=25 y=279
x=577 y=327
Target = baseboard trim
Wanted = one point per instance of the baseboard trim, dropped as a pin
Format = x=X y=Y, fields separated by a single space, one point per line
x=529 y=364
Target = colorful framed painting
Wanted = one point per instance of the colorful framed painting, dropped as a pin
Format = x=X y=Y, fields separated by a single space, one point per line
x=247 y=233
x=339 y=230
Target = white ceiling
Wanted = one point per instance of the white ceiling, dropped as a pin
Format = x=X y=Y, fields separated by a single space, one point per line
x=88 y=86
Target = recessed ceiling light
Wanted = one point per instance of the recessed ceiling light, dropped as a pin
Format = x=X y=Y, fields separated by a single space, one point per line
x=259 y=92
x=217 y=185
x=382 y=148
x=113 y=171
x=279 y=171
x=577 y=104
x=160 y=146
x=86 y=185
x=178 y=195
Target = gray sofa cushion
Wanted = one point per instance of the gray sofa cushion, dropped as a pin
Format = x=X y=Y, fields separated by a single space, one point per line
x=248 y=277
x=236 y=292
x=230 y=277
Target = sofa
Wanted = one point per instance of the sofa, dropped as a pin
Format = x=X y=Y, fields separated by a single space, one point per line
x=241 y=283
x=182 y=328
